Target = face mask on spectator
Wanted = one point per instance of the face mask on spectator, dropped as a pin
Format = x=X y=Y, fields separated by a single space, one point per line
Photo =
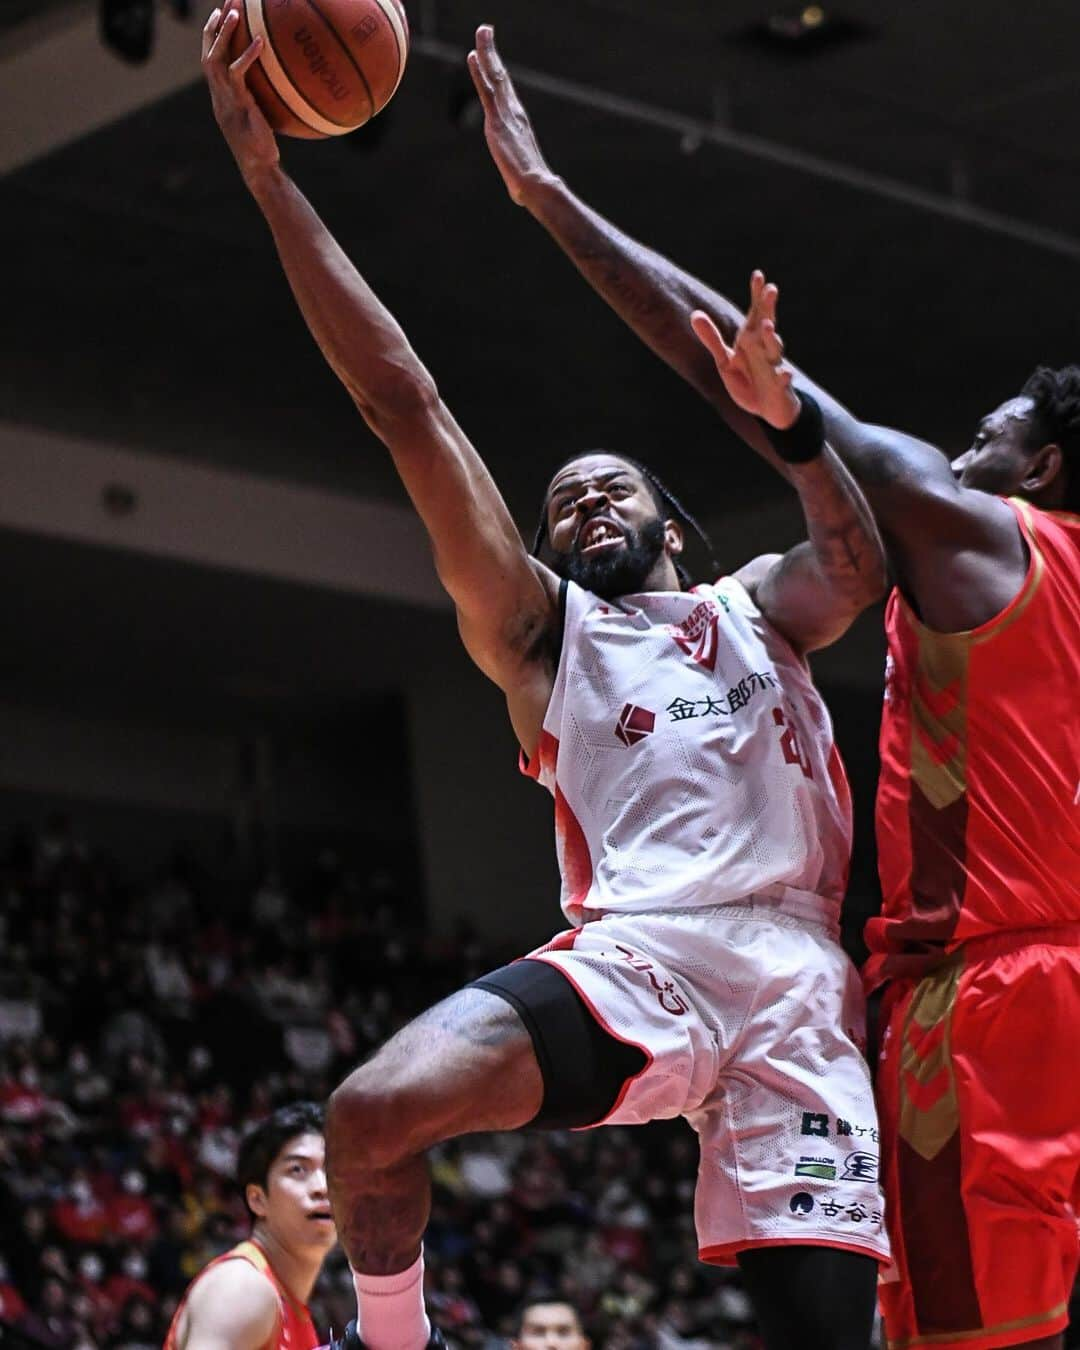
x=29 y=1077
x=199 y=1060
x=79 y=1061
x=135 y=1266
x=134 y=1183
x=91 y=1267
x=81 y=1192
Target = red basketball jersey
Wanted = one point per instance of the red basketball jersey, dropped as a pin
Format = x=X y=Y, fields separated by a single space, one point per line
x=295 y=1328
x=978 y=808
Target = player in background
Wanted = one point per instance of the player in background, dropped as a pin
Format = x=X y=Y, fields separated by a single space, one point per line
x=254 y=1297
x=703 y=830
x=550 y=1324
x=979 y=799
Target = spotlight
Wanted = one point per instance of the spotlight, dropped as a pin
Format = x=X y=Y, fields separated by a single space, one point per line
x=810 y=28
x=127 y=28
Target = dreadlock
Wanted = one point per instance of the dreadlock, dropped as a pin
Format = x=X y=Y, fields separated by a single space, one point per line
x=666 y=503
x=1056 y=420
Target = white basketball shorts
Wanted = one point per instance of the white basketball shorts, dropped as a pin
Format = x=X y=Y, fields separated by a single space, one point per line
x=752 y=1021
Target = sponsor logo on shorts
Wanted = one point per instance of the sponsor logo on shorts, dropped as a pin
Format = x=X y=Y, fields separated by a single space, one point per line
x=822 y=1168
x=860 y=1167
x=666 y=995
x=836 y=1207
x=816 y=1125
x=849 y=1211
x=845 y=1129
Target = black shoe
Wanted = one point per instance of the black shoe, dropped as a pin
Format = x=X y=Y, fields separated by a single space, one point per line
x=350 y=1339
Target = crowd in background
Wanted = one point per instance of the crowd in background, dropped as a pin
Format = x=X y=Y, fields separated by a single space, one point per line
x=145 y=1023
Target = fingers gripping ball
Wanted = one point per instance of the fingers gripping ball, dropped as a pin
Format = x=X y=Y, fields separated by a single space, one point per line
x=326 y=66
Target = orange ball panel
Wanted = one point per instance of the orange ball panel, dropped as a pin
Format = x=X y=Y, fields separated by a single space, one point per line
x=337 y=60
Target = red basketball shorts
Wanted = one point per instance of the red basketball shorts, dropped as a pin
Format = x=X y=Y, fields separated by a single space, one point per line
x=979 y=1098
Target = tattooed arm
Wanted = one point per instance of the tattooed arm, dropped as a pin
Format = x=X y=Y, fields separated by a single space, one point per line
x=956 y=552
x=651 y=294
x=813 y=592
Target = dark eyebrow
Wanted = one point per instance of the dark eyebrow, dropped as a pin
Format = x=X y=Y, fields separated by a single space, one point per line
x=605 y=477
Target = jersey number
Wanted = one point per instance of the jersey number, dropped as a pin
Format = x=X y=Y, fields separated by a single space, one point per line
x=789 y=745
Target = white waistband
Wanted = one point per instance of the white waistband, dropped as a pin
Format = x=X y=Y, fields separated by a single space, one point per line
x=769 y=903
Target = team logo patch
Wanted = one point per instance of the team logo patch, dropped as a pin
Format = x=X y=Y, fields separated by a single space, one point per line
x=860 y=1167
x=822 y=1168
x=697 y=635
x=634 y=724
x=801 y=1203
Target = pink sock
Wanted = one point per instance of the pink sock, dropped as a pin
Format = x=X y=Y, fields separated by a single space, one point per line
x=390 y=1309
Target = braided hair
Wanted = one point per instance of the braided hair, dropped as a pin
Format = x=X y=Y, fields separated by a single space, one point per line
x=667 y=504
x=1056 y=420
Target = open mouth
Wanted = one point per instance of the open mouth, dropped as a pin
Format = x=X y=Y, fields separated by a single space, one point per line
x=321 y=1216
x=599 y=535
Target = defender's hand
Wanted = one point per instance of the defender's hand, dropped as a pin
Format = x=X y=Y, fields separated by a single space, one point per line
x=507 y=128
x=753 y=370
x=246 y=130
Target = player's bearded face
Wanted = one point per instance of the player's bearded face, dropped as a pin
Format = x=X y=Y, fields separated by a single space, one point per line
x=619 y=571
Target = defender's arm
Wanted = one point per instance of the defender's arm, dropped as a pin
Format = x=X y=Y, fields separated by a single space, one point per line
x=957 y=552
x=812 y=593
x=925 y=517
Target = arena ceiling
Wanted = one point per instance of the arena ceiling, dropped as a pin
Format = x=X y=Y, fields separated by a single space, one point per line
x=914 y=185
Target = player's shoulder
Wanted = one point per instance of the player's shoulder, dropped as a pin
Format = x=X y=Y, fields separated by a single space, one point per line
x=234 y=1304
x=752 y=574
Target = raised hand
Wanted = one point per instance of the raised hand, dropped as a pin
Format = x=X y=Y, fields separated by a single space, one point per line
x=246 y=130
x=753 y=369
x=507 y=128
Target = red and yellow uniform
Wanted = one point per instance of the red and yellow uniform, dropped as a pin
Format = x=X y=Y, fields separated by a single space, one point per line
x=295 y=1328
x=979 y=844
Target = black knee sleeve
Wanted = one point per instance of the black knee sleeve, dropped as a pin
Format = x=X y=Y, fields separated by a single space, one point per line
x=584 y=1067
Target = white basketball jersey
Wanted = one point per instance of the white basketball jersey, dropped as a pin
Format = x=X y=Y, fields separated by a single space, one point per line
x=691 y=759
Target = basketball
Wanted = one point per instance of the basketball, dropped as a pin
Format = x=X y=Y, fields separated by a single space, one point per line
x=326 y=66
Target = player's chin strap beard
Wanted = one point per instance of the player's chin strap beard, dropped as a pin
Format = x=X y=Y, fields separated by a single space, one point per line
x=622 y=572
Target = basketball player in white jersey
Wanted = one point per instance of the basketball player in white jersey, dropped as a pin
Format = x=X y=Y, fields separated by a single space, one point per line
x=703 y=832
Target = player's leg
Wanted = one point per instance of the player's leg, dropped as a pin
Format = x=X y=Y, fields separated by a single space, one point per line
x=983 y=1146
x=811 y=1298
x=466 y=1064
x=522 y=1049
x=788 y=1182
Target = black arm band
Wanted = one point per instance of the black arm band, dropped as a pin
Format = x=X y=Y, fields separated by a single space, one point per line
x=804 y=440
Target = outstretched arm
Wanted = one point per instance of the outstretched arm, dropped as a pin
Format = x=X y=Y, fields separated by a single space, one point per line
x=812 y=593
x=506 y=602
x=957 y=552
x=651 y=294
x=927 y=522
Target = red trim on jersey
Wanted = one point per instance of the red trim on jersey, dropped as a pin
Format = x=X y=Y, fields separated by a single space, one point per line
x=547 y=753
x=626 y=1040
x=577 y=868
x=723 y=1254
